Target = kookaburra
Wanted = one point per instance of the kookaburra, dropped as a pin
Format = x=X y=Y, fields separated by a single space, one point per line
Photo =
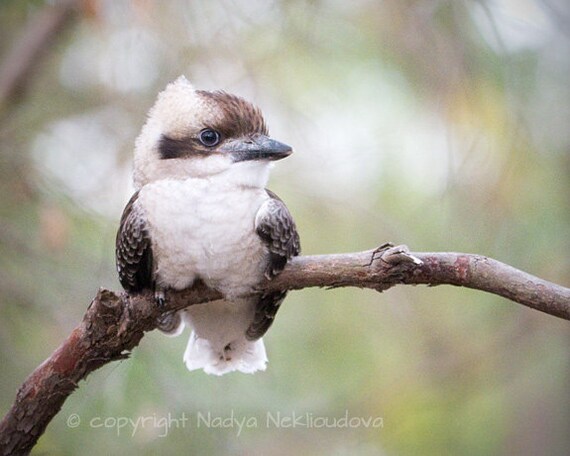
x=201 y=212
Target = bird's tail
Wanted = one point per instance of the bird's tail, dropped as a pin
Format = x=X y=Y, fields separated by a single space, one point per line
x=241 y=355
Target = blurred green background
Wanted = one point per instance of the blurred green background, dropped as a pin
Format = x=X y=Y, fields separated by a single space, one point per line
x=444 y=125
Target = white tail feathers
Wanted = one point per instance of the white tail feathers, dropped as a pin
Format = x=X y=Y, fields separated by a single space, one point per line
x=241 y=355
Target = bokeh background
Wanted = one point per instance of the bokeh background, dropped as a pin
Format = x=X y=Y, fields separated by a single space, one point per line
x=441 y=124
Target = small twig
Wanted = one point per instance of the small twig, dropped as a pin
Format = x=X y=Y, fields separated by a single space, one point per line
x=115 y=323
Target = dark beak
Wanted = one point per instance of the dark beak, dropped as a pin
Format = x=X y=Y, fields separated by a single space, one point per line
x=259 y=147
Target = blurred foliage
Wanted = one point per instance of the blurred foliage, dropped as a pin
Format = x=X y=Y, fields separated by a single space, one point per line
x=440 y=124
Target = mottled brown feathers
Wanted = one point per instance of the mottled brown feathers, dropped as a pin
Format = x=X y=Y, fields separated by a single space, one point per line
x=239 y=117
x=278 y=231
x=133 y=250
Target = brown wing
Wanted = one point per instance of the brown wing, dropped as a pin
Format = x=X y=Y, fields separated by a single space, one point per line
x=276 y=227
x=133 y=249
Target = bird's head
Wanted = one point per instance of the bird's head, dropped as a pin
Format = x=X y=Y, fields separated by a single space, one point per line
x=194 y=133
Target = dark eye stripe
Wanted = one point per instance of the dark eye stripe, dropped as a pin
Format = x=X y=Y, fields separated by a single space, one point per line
x=169 y=148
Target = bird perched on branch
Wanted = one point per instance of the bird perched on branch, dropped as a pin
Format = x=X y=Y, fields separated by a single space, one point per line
x=201 y=212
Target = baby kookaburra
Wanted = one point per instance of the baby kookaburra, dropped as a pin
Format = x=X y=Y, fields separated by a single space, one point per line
x=201 y=211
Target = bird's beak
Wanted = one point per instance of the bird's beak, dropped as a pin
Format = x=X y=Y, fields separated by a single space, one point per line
x=259 y=147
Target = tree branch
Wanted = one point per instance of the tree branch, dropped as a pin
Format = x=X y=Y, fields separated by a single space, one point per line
x=25 y=55
x=115 y=323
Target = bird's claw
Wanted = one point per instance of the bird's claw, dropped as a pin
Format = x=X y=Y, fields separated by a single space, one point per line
x=170 y=323
x=160 y=299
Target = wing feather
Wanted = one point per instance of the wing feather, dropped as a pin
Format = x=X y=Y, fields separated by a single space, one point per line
x=276 y=227
x=133 y=249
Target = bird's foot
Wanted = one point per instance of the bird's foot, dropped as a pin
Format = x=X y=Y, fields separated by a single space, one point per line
x=170 y=323
x=160 y=298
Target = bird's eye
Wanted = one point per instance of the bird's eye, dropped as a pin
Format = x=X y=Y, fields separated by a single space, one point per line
x=209 y=137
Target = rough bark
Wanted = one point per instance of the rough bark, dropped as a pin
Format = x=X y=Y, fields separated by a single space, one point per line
x=115 y=323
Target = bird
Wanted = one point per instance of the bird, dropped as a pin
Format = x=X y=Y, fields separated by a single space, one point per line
x=201 y=212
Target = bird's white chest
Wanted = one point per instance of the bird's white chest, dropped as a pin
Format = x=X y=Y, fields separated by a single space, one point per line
x=203 y=229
